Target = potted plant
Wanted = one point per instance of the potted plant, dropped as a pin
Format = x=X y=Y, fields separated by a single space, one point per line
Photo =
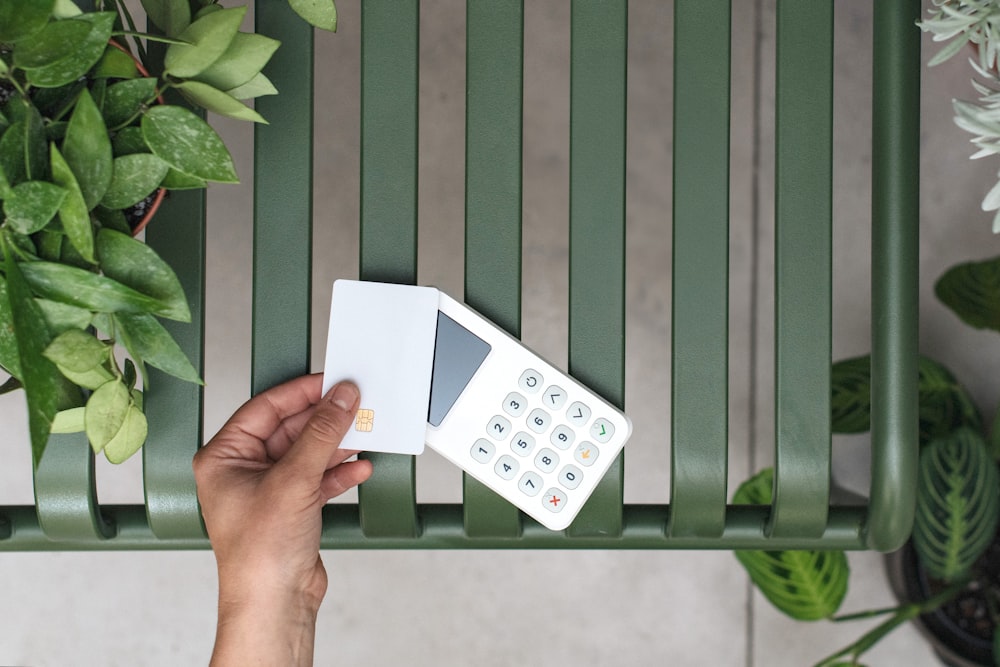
x=975 y=24
x=85 y=139
x=948 y=575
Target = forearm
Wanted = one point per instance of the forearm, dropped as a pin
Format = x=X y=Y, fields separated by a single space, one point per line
x=264 y=631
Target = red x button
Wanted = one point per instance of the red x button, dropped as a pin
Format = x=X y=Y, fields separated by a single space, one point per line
x=554 y=500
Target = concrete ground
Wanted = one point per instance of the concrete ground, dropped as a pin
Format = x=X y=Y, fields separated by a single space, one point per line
x=505 y=608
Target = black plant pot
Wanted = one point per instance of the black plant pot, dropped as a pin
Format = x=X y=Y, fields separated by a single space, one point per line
x=961 y=630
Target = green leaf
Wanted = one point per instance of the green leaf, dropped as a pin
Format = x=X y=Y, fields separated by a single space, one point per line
x=87 y=150
x=54 y=102
x=175 y=180
x=39 y=376
x=147 y=340
x=71 y=68
x=59 y=317
x=106 y=411
x=56 y=41
x=949 y=50
x=112 y=219
x=77 y=287
x=69 y=421
x=4 y=184
x=207 y=39
x=218 y=102
x=23 y=150
x=170 y=16
x=12 y=154
x=32 y=205
x=24 y=244
x=73 y=211
x=944 y=404
x=115 y=64
x=958 y=504
x=128 y=140
x=242 y=61
x=134 y=177
x=23 y=18
x=972 y=291
x=188 y=144
x=88 y=379
x=130 y=438
x=805 y=585
x=850 y=403
x=36 y=153
x=129 y=376
x=258 y=86
x=124 y=99
x=56 y=131
x=65 y=9
x=135 y=264
x=77 y=350
x=49 y=243
x=319 y=13
x=9 y=359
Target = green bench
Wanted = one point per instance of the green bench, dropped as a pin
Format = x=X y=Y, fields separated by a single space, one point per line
x=67 y=516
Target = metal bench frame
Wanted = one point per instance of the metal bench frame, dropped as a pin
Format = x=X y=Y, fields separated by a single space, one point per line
x=67 y=516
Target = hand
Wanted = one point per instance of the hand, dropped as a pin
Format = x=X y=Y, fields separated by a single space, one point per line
x=262 y=482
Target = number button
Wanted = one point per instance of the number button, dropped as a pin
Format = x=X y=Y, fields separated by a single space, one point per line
x=554 y=397
x=483 y=450
x=570 y=477
x=546 y=460
x=522 y=444
x=602 y=430
x=498 y=428
x=586 y=454
x=578 y=414
x=538 y=420
x=554 y=500
x=530 y=484
x=562 y=436
x=514 y=404
x=531 y=381
x=506 y=467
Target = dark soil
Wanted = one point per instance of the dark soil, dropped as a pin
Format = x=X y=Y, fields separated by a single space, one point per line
x=135 y=213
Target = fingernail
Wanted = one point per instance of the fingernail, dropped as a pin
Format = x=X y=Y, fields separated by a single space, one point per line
x=344 y=395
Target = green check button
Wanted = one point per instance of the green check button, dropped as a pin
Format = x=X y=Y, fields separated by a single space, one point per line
x=602 y=430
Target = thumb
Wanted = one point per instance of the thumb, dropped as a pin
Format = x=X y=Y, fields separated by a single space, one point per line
x=326 y=428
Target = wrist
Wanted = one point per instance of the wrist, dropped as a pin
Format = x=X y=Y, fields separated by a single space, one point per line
x=263 y=626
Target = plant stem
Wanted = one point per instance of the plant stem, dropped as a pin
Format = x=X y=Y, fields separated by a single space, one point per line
x=17 y=86
x=123 y=10
x=861 y=615
x=146 y=35
x=69 y=105
x=901 y=614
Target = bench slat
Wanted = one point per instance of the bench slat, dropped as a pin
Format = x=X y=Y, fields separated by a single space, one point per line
x=494 y=56
x=389 y=105
x=598 y=58
x=803 y=266
x=700 y=318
